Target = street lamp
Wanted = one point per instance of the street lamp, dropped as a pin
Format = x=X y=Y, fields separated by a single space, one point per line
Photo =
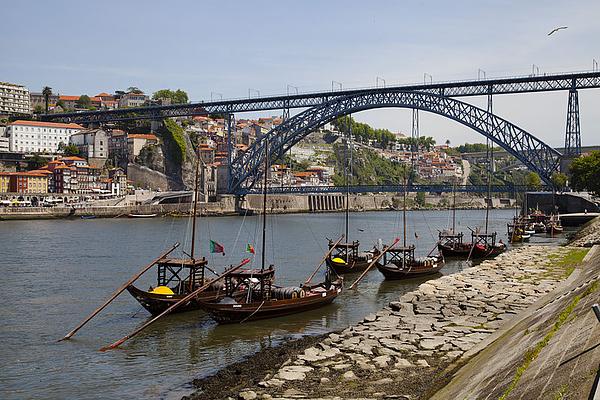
x=480 y=73
x=425 y=76
x=535 y=70
x=595 y=65
x=291 y=87
x=333 y=84
x=377 y=79
x=250 y=91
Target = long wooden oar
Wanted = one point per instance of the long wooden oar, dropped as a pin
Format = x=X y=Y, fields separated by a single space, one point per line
x=174 y=306
x=119 y=291
x=324 y=258
x=373 y=262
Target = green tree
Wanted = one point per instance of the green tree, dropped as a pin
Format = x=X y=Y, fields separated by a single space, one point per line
x=84 y=101
x=533 y=180
x=559 y=180
x=585 y=173
x=420 y=199
x=70 y=150
x=38 y=109
x=47 y=92
x=177 y=96
x=36 y=162
x=134 y=89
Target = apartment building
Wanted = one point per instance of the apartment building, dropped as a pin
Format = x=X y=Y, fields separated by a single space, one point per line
x=14 y=99
x=39 y=137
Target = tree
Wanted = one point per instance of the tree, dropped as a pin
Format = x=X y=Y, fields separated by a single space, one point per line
x=420 y=199
x=47 y=92
x=559 y=180
x=585 y=173
x=176 y=96
x=71 y=150
x=134 y=89
x=38 y=109
x=84 y=101
x=533 y=180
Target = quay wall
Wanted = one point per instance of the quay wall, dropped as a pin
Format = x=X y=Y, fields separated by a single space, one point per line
x=230 y=205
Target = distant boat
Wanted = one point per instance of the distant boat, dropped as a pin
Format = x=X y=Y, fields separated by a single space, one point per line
x=88 y=217
x=141 y=215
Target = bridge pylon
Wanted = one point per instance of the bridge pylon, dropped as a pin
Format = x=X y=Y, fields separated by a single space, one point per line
x=573 y=129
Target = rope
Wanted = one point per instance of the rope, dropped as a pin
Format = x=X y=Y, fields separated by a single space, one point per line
x=254 y=312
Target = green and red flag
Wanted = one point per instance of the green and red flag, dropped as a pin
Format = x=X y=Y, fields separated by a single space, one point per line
x=216 y=247
x=250 y=249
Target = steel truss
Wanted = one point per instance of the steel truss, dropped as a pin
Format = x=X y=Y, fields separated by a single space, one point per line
x=573 y=131
x=531 y=151
x=542 y=83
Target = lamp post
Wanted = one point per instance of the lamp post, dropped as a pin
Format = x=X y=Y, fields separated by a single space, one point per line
x=334 y=83
x=295 y=88
x=425 y=76
x=377 y=79
x=480 y=73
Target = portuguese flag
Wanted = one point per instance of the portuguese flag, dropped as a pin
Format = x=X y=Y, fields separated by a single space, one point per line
x=250 y=249
x=216 y=247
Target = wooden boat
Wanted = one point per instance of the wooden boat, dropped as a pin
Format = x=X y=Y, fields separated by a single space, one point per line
x=485 y=246
x=346 y=258
x=178 y=277
x=141 y=215
x=171 y=288
x=260 y=298
x=400 y=263
x=263 y=300
x=452 y=245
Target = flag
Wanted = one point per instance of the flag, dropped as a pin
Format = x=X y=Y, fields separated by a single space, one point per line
x=216 y=247
x=250 y=249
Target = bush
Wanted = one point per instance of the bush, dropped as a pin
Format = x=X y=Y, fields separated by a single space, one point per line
x=173 y=137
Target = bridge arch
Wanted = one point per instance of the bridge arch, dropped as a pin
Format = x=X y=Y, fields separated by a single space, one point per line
x=531 y=151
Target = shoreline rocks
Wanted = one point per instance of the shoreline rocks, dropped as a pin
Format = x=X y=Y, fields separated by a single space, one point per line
x=414 y=337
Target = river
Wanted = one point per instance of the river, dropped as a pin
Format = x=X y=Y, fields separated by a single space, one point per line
x=55 y=272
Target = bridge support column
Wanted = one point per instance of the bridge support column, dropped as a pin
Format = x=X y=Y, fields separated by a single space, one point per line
x=230 y=139
x=573 y=130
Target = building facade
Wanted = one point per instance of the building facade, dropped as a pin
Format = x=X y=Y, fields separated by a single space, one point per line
x=39 y=137
x=136 y=141
x=92 y=144
x=133 y=100
x=14 y=99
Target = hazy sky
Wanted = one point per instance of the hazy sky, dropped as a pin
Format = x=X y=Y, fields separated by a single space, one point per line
x=228 y=47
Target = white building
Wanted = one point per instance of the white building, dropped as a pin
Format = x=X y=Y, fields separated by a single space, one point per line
x=39 y=137
x=133 y=100
x=92 y=143
x=14 y=99
x=4 y=145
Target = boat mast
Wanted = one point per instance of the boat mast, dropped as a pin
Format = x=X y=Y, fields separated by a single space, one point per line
x=348 y=166
x=264 y=210
x=195 y=206
x=489 y=186
x=404 y=209
x=453 y=207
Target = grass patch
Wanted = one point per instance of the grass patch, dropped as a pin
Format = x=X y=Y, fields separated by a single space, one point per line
x=561 y=393
x=534 y=352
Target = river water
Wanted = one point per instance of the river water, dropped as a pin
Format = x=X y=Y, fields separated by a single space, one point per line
x=56 y=272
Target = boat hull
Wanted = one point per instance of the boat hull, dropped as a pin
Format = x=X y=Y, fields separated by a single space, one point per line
x=456 y=251
x=487 y=252
x=237 y=313
x=392 y=272
x=352 y=266
x=157 y=303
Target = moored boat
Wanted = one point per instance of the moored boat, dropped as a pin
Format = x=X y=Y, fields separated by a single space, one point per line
x=141 y=215
x=346 y=258
x=402 y=264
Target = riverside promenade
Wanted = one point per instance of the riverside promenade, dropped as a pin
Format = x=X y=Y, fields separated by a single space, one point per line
x=413 y=347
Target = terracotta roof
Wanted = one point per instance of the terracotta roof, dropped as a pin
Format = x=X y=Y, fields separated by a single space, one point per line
x=73 y=158
x=142 y=136
x=69 y=98
x=103 y=94
x=41 y=171
x=47 y=124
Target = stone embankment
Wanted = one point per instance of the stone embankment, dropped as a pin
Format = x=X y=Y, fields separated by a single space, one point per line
x=589 y=235
x=403 y=349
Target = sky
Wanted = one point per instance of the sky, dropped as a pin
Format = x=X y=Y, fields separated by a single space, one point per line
x=214 y=48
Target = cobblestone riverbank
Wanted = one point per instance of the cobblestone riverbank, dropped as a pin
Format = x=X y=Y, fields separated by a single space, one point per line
x=402 y=350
